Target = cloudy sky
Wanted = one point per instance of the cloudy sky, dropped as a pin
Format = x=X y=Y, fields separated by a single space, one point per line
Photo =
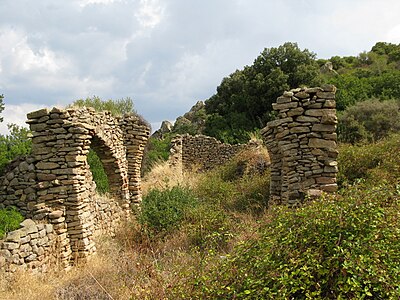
x=164 y=54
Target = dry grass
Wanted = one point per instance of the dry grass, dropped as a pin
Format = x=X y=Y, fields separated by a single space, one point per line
x=133 y=265
x=163 y=176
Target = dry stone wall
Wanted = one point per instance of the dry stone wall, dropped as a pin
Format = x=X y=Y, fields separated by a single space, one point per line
x=33 y=246
x=302 y=144
x=54 y=185
x=202 y=152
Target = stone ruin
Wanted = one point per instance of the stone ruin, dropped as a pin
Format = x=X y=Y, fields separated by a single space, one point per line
x=201 y=153
x=53 y=187
x=302 y=144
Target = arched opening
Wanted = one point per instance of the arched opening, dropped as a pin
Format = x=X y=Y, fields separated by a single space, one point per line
x=98 y=172
x=110 y=169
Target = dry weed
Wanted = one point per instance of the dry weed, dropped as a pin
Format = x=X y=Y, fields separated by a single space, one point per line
x=163 y=176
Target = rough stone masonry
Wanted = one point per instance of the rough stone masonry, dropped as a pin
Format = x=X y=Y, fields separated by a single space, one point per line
x=302 y=144
x=53 y=188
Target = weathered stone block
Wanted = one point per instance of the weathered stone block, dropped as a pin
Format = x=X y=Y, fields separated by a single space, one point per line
x=320 y=143
x=38 y=113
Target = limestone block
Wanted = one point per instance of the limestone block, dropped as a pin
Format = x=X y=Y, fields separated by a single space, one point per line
x=321 y=143
x=38 y=113
x=323 y=127
x=282 y=106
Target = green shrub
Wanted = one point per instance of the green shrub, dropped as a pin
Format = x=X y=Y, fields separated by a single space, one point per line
x=156 y=150
x=98 y=172
x=375 y=162
x=162 y=211
x=369 y=121
x=208 y=227
x=16 y=143
x=342 y=247
x=10 y=219
x=228 y=187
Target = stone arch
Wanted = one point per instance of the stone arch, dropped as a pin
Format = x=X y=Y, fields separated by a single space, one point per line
x=302 y=143
x=64 y=188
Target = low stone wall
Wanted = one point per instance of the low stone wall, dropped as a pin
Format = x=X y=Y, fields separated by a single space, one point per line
x=202 y=152
x=54 y=185
x=302 y=144
x=33 y=247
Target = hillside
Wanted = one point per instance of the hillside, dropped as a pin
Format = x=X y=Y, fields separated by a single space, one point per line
x=214 y=236
x=242 y=103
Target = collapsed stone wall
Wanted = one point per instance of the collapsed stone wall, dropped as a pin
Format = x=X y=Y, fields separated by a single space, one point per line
x=302 y=144
x=202 y=152
x=54 y=185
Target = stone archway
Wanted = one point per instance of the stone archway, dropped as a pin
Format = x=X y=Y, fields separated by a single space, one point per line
x=61 y=142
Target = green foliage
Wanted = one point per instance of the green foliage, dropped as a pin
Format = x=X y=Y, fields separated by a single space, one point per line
x=374 y=162
x=369 y=121
x=343 y=247
x=234 y=191
x=10 y=219
x=162 y=211
x=156 y=150
x=116 y=107
x=1 y=106
x=16 y=143
x=208 y=227
x=98 y=172
x=244 y=99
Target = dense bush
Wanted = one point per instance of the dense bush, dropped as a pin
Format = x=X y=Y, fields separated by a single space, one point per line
x=162 y=211
x=374 y=162
x=369 y=121
x=10 y=219
x=342 y=247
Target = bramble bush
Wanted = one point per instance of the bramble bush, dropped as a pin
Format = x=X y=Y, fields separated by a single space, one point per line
x=375 y=162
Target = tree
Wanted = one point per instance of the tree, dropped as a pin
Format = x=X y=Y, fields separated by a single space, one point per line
x=15 y=144
x=245 y=97
x=116 y=107
x=1 y=106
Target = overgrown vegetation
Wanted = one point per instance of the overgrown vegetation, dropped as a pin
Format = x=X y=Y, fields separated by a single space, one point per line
x=10 y=219
x=99 y=174
x=214 y=235
x=369 y=121
x=16 y=143
x=116 y=107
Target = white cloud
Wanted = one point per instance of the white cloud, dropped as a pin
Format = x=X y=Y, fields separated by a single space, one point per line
x=17 y=56
x=84 y=3
x=16 y=114
x=393 y=34
x=150 y=13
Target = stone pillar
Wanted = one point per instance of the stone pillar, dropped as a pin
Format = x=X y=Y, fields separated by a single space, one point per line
x=136 y=134
x=302 y=143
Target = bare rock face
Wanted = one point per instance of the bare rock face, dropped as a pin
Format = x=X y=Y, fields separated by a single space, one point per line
x=166 y=127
